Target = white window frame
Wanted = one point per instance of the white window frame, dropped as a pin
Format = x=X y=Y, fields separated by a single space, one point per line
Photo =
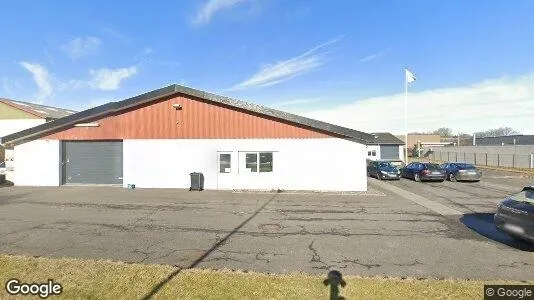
x=219 y=153
x=258 y=159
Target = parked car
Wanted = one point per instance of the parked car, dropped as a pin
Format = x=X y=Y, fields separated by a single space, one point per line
x=420 y=171
x=2 y=172
x=461 y=171
x=397 y=163
x=515 y=215
x=383 y=170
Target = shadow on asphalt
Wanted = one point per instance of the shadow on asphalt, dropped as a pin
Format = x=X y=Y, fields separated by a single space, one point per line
x=483 y=224
x=6 y=199
x=206 y=253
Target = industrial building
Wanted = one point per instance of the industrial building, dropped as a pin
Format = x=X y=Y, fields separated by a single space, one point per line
x=155 y=140
x=504 y=140
x=16 y=116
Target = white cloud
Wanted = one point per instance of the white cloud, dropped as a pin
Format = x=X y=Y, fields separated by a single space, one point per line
x=7 y=86
x=211 y=7
x=117 y=34
x=102 y=79
x=79 y=46
x=95 y=103
x=110 y=79
x=42 y=78
x=477 y=107
x=371 y=57
x=287 y=69
x=48 y=56
x=72 y=84
x=295 y=102
x=148 y=51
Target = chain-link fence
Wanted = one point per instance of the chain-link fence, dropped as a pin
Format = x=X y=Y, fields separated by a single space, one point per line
x=486 y=159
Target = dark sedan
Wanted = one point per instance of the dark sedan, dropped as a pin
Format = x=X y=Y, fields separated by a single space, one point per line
x=419 y=171
x=515 y=215
x=383 y=170
x=461 y=171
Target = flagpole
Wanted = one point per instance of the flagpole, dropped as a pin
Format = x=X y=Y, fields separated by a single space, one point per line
x=405 y=117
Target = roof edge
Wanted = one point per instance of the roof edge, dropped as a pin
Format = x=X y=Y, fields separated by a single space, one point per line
x=8 y=103
x=111 y=107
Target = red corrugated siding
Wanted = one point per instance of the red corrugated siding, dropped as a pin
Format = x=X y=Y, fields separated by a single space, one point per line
x=196 y=120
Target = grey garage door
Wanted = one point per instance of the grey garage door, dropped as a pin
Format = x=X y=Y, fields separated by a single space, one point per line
x=389 y=152
x=98 y=162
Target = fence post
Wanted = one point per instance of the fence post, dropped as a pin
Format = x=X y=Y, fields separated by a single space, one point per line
x=464 y=157
x=475 y=158
x=448 y=156
x=498 y=160
x=532 y=160
x=513 y=160
x=486 y=159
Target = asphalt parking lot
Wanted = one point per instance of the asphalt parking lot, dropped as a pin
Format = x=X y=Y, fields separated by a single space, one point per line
x=445 y=230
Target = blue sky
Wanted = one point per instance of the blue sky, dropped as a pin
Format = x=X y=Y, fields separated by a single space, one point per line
x=338 y=61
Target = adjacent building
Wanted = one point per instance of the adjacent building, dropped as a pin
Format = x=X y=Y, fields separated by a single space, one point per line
x=504 y=140
x=16 y=116
x=385 y=146
x=155 y=140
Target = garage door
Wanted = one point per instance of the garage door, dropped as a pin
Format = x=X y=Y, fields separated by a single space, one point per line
x=389 y=152
x=92 y=162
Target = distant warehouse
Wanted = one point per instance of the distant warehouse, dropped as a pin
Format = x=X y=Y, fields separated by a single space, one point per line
x=155 y=140
x=505 y=140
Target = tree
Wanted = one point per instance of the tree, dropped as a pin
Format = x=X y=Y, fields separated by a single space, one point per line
x=501 y=131
x=443 y=132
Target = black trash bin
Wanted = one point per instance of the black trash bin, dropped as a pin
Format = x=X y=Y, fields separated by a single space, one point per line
x=197 y=181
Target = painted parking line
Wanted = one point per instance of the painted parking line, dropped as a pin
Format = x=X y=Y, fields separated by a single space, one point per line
x=429 y=204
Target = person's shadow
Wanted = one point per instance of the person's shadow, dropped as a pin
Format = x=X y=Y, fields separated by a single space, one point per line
x=335 y=279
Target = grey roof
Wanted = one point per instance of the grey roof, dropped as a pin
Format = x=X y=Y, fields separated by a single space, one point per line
x=42 y=111
x=335 y=130
x=385 y=138
x=507 y=140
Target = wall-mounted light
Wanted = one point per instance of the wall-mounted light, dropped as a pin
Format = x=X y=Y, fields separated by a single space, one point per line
x=87 y=125
x=177 y=106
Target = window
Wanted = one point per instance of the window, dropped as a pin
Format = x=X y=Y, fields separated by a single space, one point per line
x=386 y=165
x=373 y=152
x=266 y=162
x=252 y=162
x=262 y=165
x=225 y=162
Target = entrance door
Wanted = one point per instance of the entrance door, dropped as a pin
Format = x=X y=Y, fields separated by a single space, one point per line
x=95 y=162
x=225 y=171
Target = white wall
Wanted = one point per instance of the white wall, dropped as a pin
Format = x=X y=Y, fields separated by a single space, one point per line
x=8 y=127
x=37 y=163
x=299 y=164
x=375 y=148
